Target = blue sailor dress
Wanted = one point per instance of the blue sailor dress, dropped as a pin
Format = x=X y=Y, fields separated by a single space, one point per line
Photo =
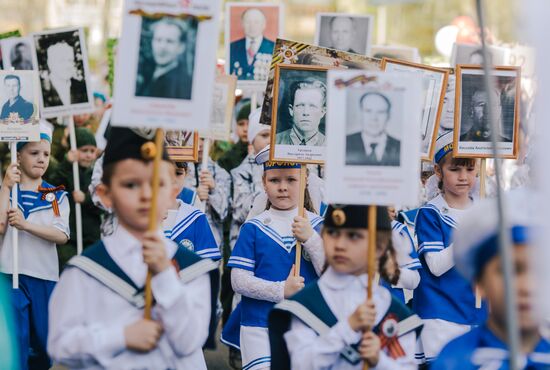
x=270 y=256
x=481 y=349
x=188 y=227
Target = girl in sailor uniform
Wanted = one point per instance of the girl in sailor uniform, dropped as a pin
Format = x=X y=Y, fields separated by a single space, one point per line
x=262 y=261
x=96 y=311
x=188 y=226
x=330 y=324
x=476 y=251
x=444 y=299
x=42 y=218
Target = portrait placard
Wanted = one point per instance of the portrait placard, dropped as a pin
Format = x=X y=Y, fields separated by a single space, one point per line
x=5 y=35
x=472 y=55
x=250 y=33
x=406 y=53
x=166 y=64
x=19 y=100
x=291 y=52
x=447 y=121
x=473 y=129
x=373 y=119
x=299 y=107
x=182 y=146
x=434 y=83
x=17 y=53
x=62 y=62
x=222 y=109
x=345 y=32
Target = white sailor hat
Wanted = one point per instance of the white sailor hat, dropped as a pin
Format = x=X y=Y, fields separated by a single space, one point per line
x=443 y=145
x=263 y=158
x=254 y=125
x=476 y=239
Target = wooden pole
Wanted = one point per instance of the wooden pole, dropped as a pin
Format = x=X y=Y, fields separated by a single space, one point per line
x=482 y=194
x=371 y=256
x=204 y=165
x=301 y=212
x=153 y=224
x=76 y=181
x=15 y=232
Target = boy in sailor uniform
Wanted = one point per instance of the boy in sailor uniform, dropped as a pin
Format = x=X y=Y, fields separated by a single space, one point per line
x=444 y=299
x=96 y=311
x=188 y=226
x=262 y=261
x=478 y=259
x=330 y=324
x=42 y=219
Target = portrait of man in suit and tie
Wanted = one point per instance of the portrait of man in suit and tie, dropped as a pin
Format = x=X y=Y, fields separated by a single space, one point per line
x=344 y=32
x=61 y=68
x=166 y=59
x=254 y=50
x=373 y=146
x=307 y=107
x=21 y=57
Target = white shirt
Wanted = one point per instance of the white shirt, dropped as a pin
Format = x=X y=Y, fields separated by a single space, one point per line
x=343 y=293
x=257 y=43
x=37 y=256
x=63 y=88
x=380 y=142
x=87 y=319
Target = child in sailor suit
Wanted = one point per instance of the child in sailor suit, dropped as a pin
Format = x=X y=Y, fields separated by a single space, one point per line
x=96 y=311
x=330 y=323
x=262 y=261
x=188 y=227
x=42 y=218
x=444 y=299
x=477 y=259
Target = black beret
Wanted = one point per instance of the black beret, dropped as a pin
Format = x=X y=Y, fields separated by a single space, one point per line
x=124 y=143
x=355 y=217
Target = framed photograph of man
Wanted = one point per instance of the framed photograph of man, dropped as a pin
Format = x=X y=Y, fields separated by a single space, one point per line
x=62 y=62
x=373 y=144
x=473 y=128
x=17 y=53
x=406 y=53
x=434 y=82
x=298 y=118
x=182 y=146
x=165 y=64
x=291 y=52
x=222 y=109
x=19 y=100
x=6 y=35
x=447 y=121
x=346 y=32
x=472 y=55
x=250 y=33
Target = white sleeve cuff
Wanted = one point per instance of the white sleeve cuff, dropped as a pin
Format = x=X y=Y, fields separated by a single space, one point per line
x=313 y=241
x=111 y=339
x=348 y=335
x=165 y=286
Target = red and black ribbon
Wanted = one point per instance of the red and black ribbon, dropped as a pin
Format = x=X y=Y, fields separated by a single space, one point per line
x=46 y=191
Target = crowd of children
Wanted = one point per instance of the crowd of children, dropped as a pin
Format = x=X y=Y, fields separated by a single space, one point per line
x=243 y=211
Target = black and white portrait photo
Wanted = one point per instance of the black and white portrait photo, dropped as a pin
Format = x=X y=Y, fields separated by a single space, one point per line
x=166 y=57
x=372 y=145
x=474 y=126
x=298 y=127
x=434 y=85
x=345 y=32
x=19 y=94
x=18 y=53
x=447 y=121
x=62 y=66
x=472 y=54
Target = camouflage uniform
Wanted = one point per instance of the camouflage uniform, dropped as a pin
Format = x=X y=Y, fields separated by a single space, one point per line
x=247 y=184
